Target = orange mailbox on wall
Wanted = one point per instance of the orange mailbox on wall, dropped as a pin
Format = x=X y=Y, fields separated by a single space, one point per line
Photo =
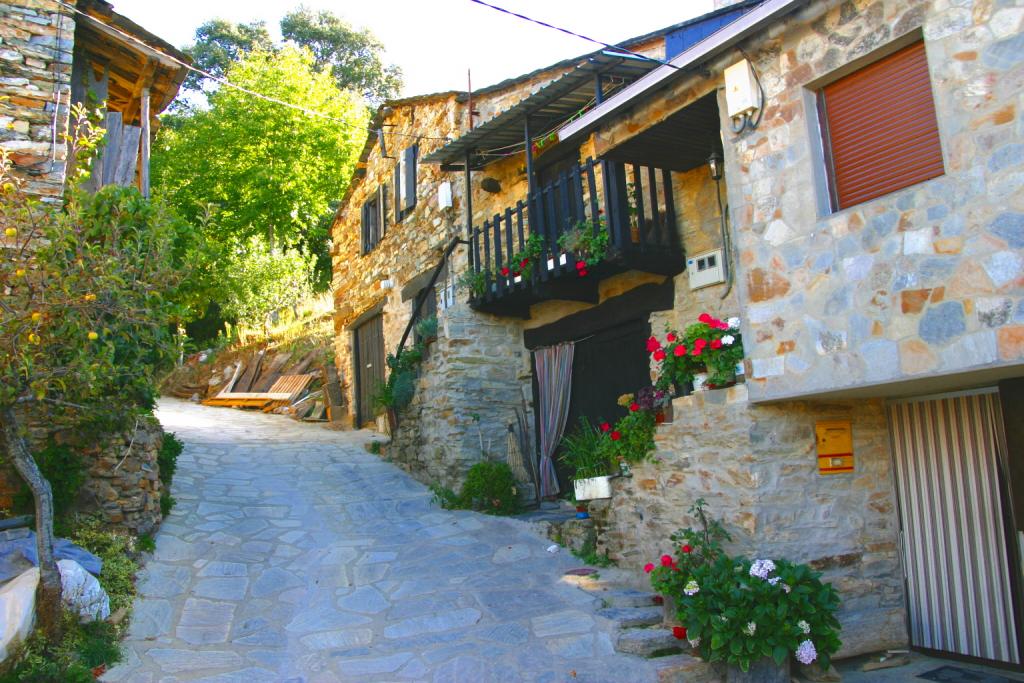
x=835 y=446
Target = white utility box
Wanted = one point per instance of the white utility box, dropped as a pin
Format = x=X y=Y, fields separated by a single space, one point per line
x=444 y=195
x=706 y=269
x=742 y=94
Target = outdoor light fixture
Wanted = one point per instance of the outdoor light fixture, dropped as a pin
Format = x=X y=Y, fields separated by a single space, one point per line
x=715 y=166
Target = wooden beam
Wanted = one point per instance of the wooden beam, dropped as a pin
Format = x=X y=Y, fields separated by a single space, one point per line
x=144 y=160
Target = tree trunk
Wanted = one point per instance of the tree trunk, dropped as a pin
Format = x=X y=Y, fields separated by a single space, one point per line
x=48 y=598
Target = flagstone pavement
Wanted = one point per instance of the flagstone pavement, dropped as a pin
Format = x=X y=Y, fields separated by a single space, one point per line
x=295 y=555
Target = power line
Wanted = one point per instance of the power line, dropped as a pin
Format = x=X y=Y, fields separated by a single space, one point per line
x=229 y=84
x=610 y=46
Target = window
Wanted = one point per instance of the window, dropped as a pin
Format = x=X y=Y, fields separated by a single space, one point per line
x=405 y=183
x=879 y=128
x=373 y=219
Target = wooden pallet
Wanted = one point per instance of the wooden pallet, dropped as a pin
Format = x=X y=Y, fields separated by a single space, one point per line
x=284 y=392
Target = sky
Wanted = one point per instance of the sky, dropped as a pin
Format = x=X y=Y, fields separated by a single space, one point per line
x=436 y=41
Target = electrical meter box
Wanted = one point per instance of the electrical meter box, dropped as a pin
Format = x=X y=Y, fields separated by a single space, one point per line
x=706 y=269
x=741 y=89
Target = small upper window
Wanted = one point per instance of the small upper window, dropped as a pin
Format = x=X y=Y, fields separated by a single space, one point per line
x=879 y=127
x=405 y=183
x=372 y=220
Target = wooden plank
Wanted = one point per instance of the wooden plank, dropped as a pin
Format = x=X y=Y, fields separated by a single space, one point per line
x=234 y=378
x=249 y=376
x=144 y=152
x=111 y=150
x=124 y=173
x=271 y=372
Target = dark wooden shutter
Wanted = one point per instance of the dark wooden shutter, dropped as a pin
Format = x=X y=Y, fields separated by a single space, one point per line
x=398 y=193
x=382 y=201
x=880 y=127
x=410 y=179
x=364 y=223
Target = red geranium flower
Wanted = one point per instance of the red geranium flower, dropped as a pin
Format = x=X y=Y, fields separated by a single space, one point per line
x=580 y=265
x=659 y=355
x=679 y=351
x=504 y=272
x=666 y=561
x=700 y=343
x=582 y=272
x=696 y=351
x=658 y=600
x=648 y=567
x=653 y=345
x=524 y=263
x=616 y=435
x=687 y=549
x=679 y=632
x=634 y=406
x=605 y=427
x=716 y=343
x=516 y=273
x=705 y=318
x=670 y=337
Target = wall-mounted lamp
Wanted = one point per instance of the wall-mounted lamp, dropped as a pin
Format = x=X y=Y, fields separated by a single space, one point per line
x=715 y=166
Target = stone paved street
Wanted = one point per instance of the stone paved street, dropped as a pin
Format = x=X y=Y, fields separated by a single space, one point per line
x=295 y=555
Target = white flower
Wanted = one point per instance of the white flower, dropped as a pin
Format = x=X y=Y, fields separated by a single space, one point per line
x=691 y=588
x=695 y=642
x=750 y=628
x=728 y=340
x=786 y=587
x=804 y=627
x=774 y=580
x=734 y=323
x=805 y=653
x=762 y=568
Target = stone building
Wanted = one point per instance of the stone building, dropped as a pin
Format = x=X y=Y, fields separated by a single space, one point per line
x=870 y=238
x=52 y=57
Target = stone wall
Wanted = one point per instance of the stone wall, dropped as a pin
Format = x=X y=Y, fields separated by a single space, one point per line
x=925 y=281
x=756 y=466
x=122 y=482
x=36 y=42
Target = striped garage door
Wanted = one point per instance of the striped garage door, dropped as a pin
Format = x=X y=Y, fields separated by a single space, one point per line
x=951 y=513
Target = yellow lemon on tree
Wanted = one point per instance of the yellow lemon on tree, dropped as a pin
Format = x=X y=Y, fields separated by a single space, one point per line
x=20 y=272
x=90 y=297
x=34 y=338
x=37 y=316
x=93 y=336
x=11 y=232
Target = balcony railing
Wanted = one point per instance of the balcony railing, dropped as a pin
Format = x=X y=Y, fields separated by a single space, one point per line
x=632 y=202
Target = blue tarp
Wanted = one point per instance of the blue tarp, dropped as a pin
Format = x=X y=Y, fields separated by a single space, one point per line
x=18 y=553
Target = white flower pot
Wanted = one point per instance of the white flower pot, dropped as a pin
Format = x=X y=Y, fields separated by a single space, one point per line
x=517 y=279
x=700 y=381
x=592 y=488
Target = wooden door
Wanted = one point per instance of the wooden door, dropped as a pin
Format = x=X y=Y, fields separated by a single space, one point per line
x=369 y=367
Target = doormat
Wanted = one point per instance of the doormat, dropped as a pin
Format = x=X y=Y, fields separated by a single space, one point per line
x=954 y=674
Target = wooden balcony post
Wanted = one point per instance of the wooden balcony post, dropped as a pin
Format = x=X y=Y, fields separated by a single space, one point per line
x=144 y=170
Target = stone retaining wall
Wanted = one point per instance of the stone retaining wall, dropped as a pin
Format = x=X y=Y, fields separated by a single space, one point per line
x=756 y=466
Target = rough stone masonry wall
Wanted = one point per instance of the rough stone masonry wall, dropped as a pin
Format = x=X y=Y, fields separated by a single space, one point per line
x=36 y=42
x=925 y=281
x=122 y=481
x=756 y=467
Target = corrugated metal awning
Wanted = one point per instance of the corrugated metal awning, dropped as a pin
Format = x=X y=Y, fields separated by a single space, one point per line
x=551 y=106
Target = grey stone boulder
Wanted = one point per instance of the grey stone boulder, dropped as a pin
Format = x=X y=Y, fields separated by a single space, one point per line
x=82 y=593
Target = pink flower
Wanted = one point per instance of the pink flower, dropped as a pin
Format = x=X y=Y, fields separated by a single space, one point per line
x=666 y=560
x=716 y=343
x=687 y=549
x=659 y=355
x=670 y=337
x=679 y=351
x=648 y=567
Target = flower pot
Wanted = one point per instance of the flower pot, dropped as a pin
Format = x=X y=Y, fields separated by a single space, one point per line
x=764 y=670
x=700 y=381
x=592 y=488
x=670 y=612
x=664 y=415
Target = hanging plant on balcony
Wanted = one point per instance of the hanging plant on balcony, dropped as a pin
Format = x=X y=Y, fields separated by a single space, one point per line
x=709 y=346
x=475 y=281
x=521 y=263
x=588 y=241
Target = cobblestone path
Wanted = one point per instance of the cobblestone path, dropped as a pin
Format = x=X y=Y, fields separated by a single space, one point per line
x=294 y=555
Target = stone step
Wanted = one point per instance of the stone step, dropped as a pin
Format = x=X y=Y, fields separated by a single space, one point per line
x=647 y=642
x=625 y=597
x=685 y=669
x=627 y=617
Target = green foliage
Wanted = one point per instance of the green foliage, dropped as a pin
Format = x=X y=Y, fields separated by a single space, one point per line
x=219 y=43
x=588 y=240
x=261 y=280
x=709 y=345
x=490 y=488
x=521 y=263
x=398 y=390
x=167 y=458
x=167 y=503
x=65 y=471
x=426 y=328
x=635 y=442
x=83 y=647
x=268 y=170
x=587 y=450
x=85 y=320
x=117 y=550
x=146 y=543
x=589 y=555
x=738 y=611
x=474 y=281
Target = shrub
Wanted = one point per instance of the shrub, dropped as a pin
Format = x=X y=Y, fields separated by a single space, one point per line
x=84 y=647
x=167 y=502
x=65 y=471
x=490 y=488
x=117 y=550
x=587 y=450
x=167 y=459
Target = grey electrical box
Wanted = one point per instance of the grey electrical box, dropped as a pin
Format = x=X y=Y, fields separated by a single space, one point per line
x=706 y=269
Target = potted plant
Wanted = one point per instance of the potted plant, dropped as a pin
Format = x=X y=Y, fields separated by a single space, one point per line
x=426 y=330
x=588 y=451
x=475 y=281
x=705 y=354
x=588 y=241
x=520 y=264
x=753 y=615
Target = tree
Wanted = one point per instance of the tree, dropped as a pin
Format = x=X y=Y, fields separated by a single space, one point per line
x=219 y=44
x=270 y=170
x=264 y=281
x=353 y=56
x=83 y=322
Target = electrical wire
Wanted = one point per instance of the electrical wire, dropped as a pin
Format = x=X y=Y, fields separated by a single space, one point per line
x=229 y=84
x=574 y=34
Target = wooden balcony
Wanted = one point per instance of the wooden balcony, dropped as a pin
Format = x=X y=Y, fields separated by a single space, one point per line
x=634 y=203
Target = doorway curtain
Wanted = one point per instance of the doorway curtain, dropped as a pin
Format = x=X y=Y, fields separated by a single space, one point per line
x=554 y=384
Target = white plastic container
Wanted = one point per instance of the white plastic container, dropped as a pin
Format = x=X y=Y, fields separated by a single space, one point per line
x=593 y=488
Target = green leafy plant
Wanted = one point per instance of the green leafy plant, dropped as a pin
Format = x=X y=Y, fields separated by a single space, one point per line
x=588 y=240
x=167 y=503
x=475 y=281
x=588 y=553
x=426 y=328
x=146 y=543
x=490 y=488
x=710 y=345
x=72 y=659
x=167 y=458
x=65 y=471
x=117 y=550
x=397 y=391
x=521 y=263
x=740 y=611
x=587 y=450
